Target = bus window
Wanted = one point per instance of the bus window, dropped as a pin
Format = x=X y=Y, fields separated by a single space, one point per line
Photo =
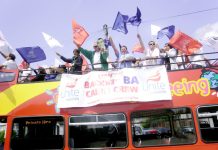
x=208 y=122
x=3 y=126
x=38 y=133
x=7 y=76
x=163 y=127
x=98 y=131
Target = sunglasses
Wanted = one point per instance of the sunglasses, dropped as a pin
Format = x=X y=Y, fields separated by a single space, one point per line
x=151 y=44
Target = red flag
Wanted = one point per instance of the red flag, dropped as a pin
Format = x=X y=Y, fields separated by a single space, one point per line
x=185 y=43
x=79 y=33
x=23 y=65
x=138 y=48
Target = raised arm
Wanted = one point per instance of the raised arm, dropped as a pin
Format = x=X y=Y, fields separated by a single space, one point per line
x=78 y=46
x=140 y=41
x=114 y=47
x=63 y=58
x=3 y=54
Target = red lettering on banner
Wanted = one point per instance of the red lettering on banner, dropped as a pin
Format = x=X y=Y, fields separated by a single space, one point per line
x=91 y=93
x=99 y=83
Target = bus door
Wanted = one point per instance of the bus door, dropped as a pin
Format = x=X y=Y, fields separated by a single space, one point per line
x=3 y=127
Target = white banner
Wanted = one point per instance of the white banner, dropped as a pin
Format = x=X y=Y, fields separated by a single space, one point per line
x=127 y=84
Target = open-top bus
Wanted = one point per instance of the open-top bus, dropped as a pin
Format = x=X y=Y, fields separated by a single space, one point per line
x=30 y=118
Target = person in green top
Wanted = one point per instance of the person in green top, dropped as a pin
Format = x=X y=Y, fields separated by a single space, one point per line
x=98 y=57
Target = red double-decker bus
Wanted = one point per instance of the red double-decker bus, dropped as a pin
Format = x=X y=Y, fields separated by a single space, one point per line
x=30 y=118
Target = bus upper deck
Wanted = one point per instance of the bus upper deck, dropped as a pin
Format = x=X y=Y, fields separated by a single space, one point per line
x=30 y=118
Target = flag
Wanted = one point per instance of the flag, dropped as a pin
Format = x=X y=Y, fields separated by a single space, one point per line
x=185 y=43
x=5 y=47
x=120 y=23
x=57 y=62
x=107 y=43
x=168 y=31
x=31 y=54
x=138 y=48
x=211 y=39
x=154 y=30
x=79 y=33
x=52 y=42
x=136 y=20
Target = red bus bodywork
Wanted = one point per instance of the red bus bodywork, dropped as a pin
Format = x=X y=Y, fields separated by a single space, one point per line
x=188 y=87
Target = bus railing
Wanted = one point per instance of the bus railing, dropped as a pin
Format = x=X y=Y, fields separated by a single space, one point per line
x=44 y=74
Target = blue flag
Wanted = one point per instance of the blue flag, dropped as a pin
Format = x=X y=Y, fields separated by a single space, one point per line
x=168 y=31
x=107 y=43
x=31 y=54
x=136 y=20
x=120 y=23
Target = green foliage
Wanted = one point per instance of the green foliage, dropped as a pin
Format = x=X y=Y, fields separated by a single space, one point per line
x=2 y=133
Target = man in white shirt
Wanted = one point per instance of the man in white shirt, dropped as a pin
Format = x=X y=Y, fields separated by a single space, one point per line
x=151 y=54
x=197 y=59
x=124 y=58
x=171 y=54
x=10 y=63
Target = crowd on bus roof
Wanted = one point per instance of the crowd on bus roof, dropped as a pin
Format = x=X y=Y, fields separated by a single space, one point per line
x=99 y=58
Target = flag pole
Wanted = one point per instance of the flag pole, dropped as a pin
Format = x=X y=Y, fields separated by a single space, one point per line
x=105 y=29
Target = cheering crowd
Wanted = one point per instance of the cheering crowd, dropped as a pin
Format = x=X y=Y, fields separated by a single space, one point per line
x=172 y=58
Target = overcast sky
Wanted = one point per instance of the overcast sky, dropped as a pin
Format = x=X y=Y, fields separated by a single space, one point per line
x=22 y=21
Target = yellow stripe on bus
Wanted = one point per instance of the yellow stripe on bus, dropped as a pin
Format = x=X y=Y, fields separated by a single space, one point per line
x=18 y=94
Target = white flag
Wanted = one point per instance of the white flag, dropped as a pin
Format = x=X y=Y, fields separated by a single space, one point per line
x=52 y=42
x=5 y=47
x=57 y=62
x=211 y=39
x=154 y=30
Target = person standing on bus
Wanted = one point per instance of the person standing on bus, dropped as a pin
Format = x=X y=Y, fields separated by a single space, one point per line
x=124 y=58
x=76 y=62
x=169 y=54
x=198 y=60
x=98 y=58
x=10 y=63
x=152 y=53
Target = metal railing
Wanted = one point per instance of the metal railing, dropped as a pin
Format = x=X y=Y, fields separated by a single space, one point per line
x=42 y=74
